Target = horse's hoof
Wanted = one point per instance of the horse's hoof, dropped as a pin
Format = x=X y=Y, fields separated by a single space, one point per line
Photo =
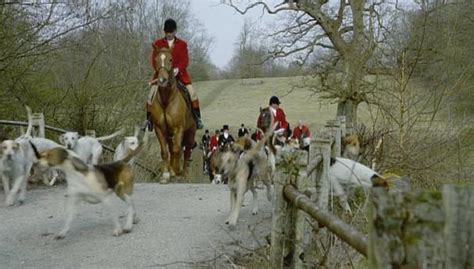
x=117 y=232
x=136 y=220
x=60 y=236
x=164 y=181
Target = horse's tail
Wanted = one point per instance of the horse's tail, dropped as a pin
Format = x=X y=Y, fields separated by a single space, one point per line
x=119 y=132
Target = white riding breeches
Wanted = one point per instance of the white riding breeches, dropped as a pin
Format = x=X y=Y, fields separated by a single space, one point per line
x=153 y=90
x=192 y=92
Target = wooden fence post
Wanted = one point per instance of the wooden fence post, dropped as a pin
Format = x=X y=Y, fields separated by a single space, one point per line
x=302 y=227
x=37 y=120
x=322 y=147
x=281 y=232
x=422 y=230
x=90 y=133
x=342 y=123
x=458 y=231
x=334 y=129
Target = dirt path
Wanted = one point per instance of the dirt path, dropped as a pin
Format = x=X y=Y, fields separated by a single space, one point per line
x=181 y=225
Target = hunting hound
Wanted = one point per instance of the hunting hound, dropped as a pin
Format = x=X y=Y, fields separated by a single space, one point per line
x=128 y=144
x=242 y=170
x=88 y=148
x=93 y=184
x=15 y=168
x=16 y=160
x=351 y=145
x=345 y=174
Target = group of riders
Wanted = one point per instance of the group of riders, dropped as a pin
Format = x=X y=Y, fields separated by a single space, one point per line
x=221 y=138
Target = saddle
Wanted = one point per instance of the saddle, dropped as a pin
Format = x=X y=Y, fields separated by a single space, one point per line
x=185 y=92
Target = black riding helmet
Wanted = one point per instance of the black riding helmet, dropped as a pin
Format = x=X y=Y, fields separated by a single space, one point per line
x=170 y=26
x=274 y=100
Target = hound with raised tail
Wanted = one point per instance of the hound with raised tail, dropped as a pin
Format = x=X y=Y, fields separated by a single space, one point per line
x=345 y=174
x=128 y=144
x=242 y=172
x=88 y=148
x=93 y=184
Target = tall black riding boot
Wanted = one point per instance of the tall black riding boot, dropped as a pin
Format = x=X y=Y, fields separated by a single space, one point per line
x=148 y=123
x=197 y=114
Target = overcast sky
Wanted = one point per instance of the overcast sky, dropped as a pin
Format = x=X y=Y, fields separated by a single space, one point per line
x=224 y=25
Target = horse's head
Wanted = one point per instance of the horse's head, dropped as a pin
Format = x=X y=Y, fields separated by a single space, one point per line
x=265 y=120
x=164 y=66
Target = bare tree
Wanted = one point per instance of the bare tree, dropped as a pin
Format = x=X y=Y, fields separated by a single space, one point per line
x=424 y=137
x=30 y=33
x=351 y=29
x=82 y=61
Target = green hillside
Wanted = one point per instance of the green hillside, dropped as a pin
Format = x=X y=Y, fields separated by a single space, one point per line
x=237 y=101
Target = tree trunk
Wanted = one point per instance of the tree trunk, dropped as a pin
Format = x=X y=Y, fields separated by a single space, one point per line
x=348 y=108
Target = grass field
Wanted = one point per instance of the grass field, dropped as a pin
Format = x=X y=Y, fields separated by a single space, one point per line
x=234 y=102
x=238 y=101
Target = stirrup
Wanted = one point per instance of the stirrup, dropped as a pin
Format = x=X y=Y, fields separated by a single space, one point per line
x=149 y=125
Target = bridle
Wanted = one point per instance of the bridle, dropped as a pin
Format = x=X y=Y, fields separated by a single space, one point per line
x=162 y=66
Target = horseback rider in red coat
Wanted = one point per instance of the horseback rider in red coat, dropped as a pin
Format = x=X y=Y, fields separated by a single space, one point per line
x=179 y=52
x=279 y=117
x=213 y=142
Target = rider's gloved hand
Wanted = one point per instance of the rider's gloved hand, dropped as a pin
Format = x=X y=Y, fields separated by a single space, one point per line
x=175 y=71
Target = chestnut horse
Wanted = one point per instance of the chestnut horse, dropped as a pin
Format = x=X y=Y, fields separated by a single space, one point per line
x=265 y=119
x=266 y=123
x=172 y=118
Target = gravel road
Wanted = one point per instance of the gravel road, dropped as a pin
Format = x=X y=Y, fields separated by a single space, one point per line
x=181 y=226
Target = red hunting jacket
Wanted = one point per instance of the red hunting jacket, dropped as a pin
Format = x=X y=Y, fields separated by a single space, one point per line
x=180 y=58
x=297 y=132
x=279 y=117
x=213 y=143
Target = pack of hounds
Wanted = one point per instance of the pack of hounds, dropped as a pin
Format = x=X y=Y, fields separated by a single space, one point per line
x=78 y=158
x=245 y=165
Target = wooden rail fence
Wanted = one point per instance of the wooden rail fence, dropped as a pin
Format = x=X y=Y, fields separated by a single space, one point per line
x=42 y=127
x=407 y=229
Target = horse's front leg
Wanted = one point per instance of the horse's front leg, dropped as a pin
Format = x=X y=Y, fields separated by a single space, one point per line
x=188 y=142
x=175 y=150
x=165 y=163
